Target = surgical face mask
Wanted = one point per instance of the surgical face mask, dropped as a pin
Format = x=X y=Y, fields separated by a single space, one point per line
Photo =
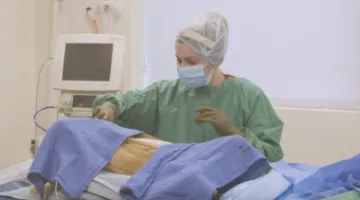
x=193 y=76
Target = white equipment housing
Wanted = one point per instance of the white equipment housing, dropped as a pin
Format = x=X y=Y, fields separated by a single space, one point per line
x=86 y=65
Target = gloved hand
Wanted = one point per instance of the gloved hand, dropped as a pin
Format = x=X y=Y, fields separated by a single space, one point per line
x=218 y=118
x=107 y=111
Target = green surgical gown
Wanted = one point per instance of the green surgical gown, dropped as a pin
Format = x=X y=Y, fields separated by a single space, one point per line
x=166 y=109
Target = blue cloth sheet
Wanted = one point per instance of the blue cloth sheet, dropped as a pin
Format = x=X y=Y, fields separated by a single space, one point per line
x=329 y=180
x=294 y=172
x=194 y=171
x=74 y=151
x=305 y=182
x=273 y=185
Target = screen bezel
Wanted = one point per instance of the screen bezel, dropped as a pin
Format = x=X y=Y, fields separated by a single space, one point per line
x=115 y=82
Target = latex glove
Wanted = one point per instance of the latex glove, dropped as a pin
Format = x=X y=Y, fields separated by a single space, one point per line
x=49 y=188
x=107 y=111
x=218 y=118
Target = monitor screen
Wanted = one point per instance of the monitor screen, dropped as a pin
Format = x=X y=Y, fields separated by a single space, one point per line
x=87 y=62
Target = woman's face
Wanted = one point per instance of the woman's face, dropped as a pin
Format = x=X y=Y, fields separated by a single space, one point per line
x=187 y=57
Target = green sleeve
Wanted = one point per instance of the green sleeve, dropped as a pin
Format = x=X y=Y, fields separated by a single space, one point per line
x=263 y=129
x=136 y=109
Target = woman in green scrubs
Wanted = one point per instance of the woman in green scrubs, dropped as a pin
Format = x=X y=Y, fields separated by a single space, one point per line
x=203 y=103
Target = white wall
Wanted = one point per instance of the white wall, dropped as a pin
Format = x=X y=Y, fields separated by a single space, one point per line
x=320 y=136
x=21 y=50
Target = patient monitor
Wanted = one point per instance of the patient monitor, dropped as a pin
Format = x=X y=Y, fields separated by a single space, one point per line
x=86 y=65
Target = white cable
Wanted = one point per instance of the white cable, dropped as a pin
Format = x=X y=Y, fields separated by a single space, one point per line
x=45 y=64
x=56 y=193
x=109 y=24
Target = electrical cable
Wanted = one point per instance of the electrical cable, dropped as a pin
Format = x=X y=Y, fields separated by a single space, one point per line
x=38 y=86
x=34 y=140
x=37 y=112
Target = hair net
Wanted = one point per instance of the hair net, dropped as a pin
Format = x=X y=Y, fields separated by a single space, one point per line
x=208 y=36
